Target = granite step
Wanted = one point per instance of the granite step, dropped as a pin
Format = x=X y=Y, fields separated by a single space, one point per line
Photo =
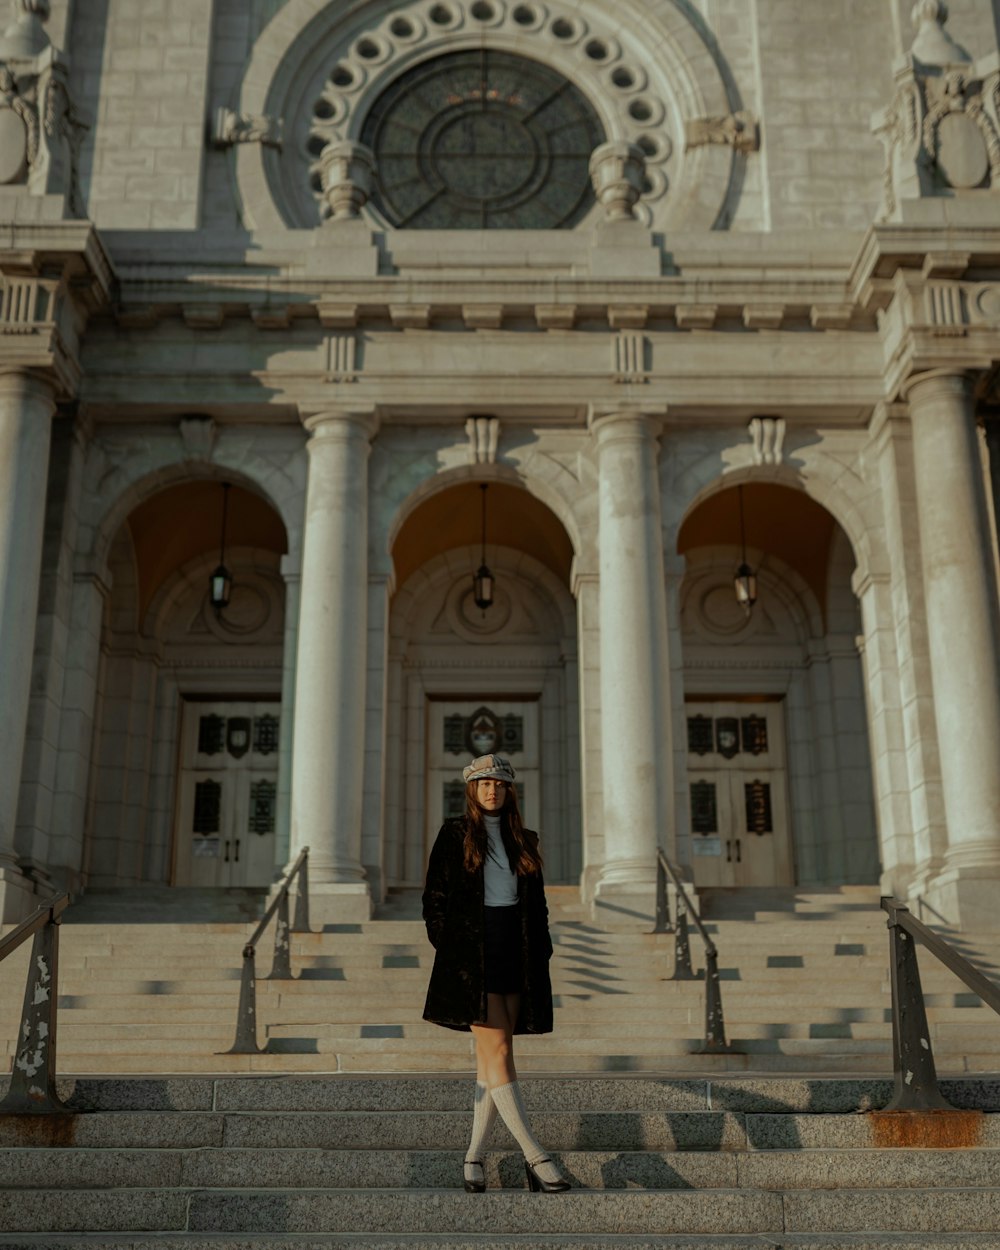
x=433 y=1211
x=294 y=1167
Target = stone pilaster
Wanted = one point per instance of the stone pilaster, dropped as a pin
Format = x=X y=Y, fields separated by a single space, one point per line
x=26 y=408
x=635 y=720
x=328 y=750
x=964 y=640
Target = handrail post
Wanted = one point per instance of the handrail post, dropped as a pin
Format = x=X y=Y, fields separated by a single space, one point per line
x=915 y=1086
x=301 y=921
x=281 y=967
x=33 y=1074
x=682 y=946
x=715 y=1027
x=246 y=1017
x=662 y=924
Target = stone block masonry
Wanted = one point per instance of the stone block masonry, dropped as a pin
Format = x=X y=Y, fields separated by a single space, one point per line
x=145 y=84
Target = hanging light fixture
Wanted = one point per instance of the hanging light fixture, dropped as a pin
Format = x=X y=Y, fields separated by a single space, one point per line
x=745 y=579
x=482 y=583
x=220 y=584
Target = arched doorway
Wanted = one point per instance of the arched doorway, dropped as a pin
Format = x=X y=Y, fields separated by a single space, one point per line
x=185 y=783
x=462 y=681
x=778 y=761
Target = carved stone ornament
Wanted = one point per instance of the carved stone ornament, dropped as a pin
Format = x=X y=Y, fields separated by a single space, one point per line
x=40 y=129
x=230 y=127
x=617 y=171
x=768 y=437
x=941 y=134
x=739 y=130
x=484 y=436
x=628 y=357
x=348 y=171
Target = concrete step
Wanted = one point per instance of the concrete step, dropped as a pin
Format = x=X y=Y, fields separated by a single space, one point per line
x=663 y=1093
x=433 y=1211
x=254 y=1168
x=508 y=1241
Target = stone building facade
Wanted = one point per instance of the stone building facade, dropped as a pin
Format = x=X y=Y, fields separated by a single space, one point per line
x=684 y=286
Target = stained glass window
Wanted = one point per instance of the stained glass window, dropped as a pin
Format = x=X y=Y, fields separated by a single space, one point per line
x=704 y=816
x=211 y=734
x=758 y=804
x=262 y=803
x=482 y=139
x=207 y=807
x=265 y=734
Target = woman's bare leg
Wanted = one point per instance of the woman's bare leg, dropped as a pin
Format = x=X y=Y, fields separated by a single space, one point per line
x=495 y=1040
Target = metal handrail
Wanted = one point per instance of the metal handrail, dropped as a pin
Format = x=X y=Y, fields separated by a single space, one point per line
x=715 y=1026
x=281 y=967
x=915 y=1086
x=32 y=1086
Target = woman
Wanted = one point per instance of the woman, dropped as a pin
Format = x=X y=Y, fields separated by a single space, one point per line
x=485 y=912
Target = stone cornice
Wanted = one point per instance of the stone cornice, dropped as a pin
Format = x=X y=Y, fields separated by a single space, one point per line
x=53 y=277
x=751 y=305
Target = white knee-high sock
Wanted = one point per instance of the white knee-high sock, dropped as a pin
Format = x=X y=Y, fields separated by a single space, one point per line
x=484 y=1114
x=510 y=1104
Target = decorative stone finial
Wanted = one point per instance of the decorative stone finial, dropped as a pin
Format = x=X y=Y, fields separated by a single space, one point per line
x=25 y=37
x=933 y=45
x=617 y=171
x=347 y=169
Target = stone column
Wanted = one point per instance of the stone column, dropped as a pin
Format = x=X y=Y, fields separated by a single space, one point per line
x=964 y=640
x=290 y=572
x=635 y=717
x=26 y=408
x=329 y=719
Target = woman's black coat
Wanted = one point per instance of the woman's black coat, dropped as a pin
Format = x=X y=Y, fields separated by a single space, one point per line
x=453 y=914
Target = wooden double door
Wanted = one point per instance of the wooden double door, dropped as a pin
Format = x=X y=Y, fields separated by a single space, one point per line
x=738 y=794
x=227 y=794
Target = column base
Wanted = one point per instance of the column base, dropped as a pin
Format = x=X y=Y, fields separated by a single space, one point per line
x=333 y=902
x=17 y=896
x=963 y=897
x=625 y=906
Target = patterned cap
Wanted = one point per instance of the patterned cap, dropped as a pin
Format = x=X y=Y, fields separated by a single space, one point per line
x=495 y=766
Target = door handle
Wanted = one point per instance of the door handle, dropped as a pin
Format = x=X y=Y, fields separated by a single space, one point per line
x=729 y=852
x=739 y=852
x=226 y=860
x=236 y=844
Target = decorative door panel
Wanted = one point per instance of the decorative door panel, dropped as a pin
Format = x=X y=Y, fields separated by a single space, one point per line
x=459 y=731
x=227 y=794
x=737 y=793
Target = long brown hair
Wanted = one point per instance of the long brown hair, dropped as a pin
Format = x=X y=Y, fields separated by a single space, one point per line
x=516 y=838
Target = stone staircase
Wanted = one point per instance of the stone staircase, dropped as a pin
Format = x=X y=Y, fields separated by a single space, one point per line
x=805 y=982
x=253 y=1163
x=351 y=1129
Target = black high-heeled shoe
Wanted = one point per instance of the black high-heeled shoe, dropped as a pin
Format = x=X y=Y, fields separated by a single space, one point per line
x=537 y=1185
x=474 y=1186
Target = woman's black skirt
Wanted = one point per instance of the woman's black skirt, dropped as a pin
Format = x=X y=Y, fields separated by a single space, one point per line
x=502 y=950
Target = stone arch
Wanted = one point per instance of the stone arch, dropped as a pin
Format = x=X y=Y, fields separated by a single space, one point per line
x=822 y=479
x=538 y=484
x=129 y=473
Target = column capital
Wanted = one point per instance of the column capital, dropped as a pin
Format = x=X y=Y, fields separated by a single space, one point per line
x=334 y=421
x=27 y=384
x=943 y=381
x=627 y=420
